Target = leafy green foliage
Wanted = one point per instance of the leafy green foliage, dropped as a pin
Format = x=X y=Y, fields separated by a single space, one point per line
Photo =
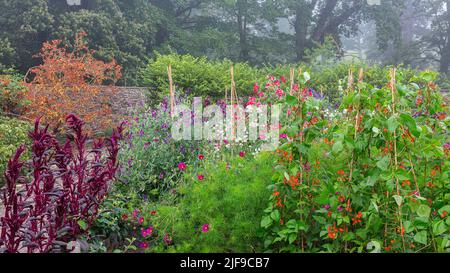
x=374 y=178
x=229 y=200
x=150 y=156
x=198 y=76
x=13 y=133
x=12 y=95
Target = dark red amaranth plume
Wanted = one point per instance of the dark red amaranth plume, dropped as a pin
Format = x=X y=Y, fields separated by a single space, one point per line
x=62 y=193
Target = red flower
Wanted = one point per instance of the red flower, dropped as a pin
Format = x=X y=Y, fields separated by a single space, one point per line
x=200 y=177
x=182 y=166
x=124 y=217
x=283 y=79
x=242 y=154
x=201 y=157
x=153 y=212
x=256 y=88
x=205 y=228
x=341 y=172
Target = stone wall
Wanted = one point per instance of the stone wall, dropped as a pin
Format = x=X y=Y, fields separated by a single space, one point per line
x=126 y=100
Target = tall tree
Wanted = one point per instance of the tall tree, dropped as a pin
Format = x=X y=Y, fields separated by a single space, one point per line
x=314 y=20
x=441 y=35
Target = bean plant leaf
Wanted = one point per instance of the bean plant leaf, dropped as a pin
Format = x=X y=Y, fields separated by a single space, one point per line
x=423 y=211
x=383 y=164
x=266 y=222
x=421 y=237
x=398 y=200
x=392 y=124
x=338 y=147
x=439 y=228
x=410 y=123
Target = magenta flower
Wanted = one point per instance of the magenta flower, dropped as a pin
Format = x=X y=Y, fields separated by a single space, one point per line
x=279 y=93
x=200 y=177
x=167 y=239
x=182 y=166
x=135 y=213
x=147 y=232
x=242 y=154
x=205 y=228
x=143 y=245
x=141 y=220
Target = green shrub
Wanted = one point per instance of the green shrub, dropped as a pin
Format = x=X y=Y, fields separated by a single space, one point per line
x=13 y=133
x=332 y=80
x=230 y=200
x=202 y=77
x=197 y=76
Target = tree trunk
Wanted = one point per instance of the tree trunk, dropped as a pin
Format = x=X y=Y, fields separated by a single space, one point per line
x=242 y=22
x=445 y=53
x=301 y=29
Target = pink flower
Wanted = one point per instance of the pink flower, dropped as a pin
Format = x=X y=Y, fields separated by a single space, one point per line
x=168 y=239
x=283 y=136
x=147 y=232
x=251 y=101
x=283 y=79
x=261 y=94
x=143 y=245
x=135 y=213
x=242 y=154
x=182 y=166
x=141 y=220
x=200 y=177
x=279 y=93
x=255 y=88
x=205 y=228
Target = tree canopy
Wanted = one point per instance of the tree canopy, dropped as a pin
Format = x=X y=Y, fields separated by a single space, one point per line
x=260 y=32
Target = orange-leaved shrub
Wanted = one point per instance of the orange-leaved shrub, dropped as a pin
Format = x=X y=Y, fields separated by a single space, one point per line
x=69 y=81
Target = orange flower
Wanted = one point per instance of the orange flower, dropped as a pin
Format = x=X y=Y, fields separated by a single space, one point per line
x=406 y=183
x=332 y=232
x=433 y=172
x=341 y=172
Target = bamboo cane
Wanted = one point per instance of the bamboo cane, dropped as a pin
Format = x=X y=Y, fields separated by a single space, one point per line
x=172 y=95
x=394 y=112
x=292 y=74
